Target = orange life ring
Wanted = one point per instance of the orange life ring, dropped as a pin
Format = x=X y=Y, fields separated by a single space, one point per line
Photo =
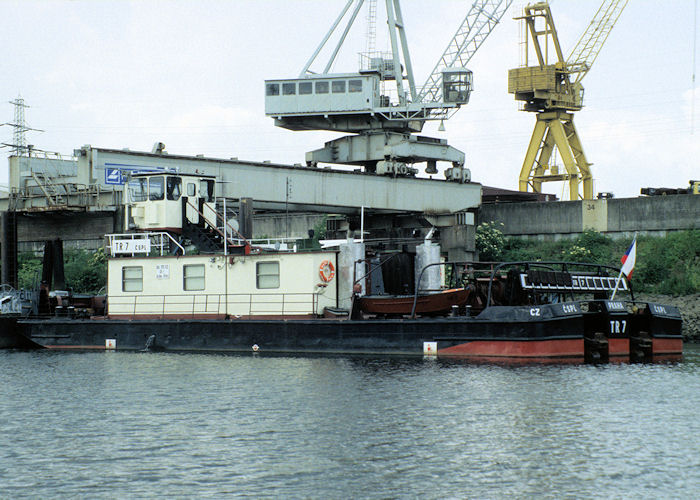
x=326 y=270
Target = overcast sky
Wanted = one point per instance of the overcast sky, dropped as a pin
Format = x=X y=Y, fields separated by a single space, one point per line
x=120 y=74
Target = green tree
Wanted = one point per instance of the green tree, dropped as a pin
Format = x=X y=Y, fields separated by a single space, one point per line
x=490 y=241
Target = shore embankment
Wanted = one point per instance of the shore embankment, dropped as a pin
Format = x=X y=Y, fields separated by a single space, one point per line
x=689 y=305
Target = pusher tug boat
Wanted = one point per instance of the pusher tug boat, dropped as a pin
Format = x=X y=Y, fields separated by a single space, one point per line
x=180 y=281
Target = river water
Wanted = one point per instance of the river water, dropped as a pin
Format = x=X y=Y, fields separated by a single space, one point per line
x=140 y=425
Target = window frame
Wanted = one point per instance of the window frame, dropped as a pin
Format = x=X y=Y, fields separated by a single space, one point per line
x=156 y=182
x=338 y=84
x=322 y=87
x=355 y=85
x=132 y=280
x=267 y=275
x=187 y=284
x=173 y=187
x=306 y=88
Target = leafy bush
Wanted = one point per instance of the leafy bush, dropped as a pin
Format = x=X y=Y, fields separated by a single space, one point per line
x=85 y=271
x=490 y=241
x=667 y=265
x=28 y=270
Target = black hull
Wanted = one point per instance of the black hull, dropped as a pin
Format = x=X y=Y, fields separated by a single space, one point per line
x=10 y=337
x=313 y=336
x=555 y=331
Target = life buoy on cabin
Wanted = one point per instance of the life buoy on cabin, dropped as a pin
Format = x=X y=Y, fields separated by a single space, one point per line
x=326 y=271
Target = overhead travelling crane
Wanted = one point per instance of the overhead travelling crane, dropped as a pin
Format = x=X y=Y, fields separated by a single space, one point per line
x=380 y=105
x=552 y=89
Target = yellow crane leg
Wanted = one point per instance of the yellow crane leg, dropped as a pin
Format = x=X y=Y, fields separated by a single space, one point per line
x=584 y=168
x=561 y=140
x=529 y=163
x=556 y=129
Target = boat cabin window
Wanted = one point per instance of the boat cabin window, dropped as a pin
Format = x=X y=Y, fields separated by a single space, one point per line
x=193 y=277
x=132 y=279
x=338 y=86
x=267 y=274
x=272 y=89
x=138 y=189
x=156 y=188
x=289 y=88
x=206 y=189
x=191 y=189
x=321 y=87
x=305 y=88
x=173 y=184
x=355 y=86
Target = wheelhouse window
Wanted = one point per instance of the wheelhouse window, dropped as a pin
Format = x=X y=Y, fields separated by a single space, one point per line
x=191 y=189
x=138 y=189
x=206 y=189
x=132 y=279
x=173 y=185
x=305 y=88
x=338 y=87
x=272 y=89
x=355 y=86
x=156 y=188
x=193 y=277
x=267 y=274
x=289 y=88
x=321 y=87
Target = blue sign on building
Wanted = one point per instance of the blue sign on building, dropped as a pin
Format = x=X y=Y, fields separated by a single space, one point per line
x=113 y=176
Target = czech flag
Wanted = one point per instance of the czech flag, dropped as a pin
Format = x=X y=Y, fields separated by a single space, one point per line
x=629 y=258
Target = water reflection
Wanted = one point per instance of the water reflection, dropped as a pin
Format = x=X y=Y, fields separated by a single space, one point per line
x=142 y=424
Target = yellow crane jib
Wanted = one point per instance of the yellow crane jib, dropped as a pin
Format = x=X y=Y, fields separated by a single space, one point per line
x=552 y=88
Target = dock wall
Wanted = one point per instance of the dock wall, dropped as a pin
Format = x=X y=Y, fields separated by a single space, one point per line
x=617 y=218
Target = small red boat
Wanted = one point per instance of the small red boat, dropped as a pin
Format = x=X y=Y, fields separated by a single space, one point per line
x=434 y=303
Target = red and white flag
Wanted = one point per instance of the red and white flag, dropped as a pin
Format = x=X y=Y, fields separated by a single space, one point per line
x=629 y=259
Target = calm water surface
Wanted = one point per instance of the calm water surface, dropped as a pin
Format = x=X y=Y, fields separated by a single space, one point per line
x=137 y=425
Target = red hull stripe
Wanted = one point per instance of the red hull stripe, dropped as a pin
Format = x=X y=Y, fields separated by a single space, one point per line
x=618 y=347
x=517 y=348
x=667 y=346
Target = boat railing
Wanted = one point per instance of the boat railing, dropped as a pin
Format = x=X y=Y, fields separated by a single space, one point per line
x=540 y=276
x=227 y=228
x=453 y=264
x=564 y=277
x=214 y=305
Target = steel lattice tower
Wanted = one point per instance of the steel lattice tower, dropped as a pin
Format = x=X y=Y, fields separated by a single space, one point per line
x=19 y=136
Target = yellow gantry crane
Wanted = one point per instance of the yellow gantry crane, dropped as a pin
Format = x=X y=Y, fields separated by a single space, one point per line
x=553 y=90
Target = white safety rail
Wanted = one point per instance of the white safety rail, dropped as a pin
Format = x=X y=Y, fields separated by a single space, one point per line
x=214 y=305
x=141 y=244
x=559 y=281
x=278 y=244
